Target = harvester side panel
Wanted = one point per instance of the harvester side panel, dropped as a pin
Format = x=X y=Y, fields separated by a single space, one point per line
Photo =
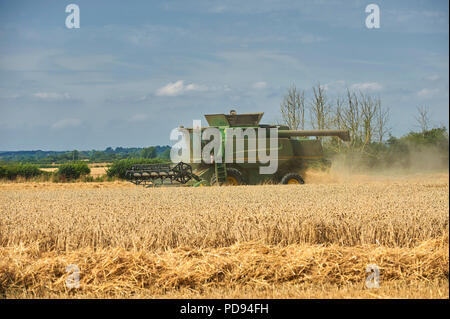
x=307 y=148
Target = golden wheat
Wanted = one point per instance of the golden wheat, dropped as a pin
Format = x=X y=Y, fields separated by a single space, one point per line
x=392 y=214
x=112 y=272
x=226 y=241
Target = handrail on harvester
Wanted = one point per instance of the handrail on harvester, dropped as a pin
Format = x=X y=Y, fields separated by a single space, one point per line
x=342 y=134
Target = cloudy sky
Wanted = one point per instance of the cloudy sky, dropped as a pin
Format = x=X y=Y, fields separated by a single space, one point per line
x=135 y=70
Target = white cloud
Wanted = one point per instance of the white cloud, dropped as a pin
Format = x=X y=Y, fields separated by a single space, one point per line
x=178 y=88
x=66 y=123
x=334 y=86
x=26 y=61
x=52 y=96
x=427 y=92
x=433 y=77
x=85 y=62
x=367 y=86
x=310 y=38
x=138 y=117
x=11 y=97
x=126 y=99
x=218 y=9
x=259 y=85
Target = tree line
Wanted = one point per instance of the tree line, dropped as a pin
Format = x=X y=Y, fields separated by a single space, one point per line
x=368 y=122
x=47 y=158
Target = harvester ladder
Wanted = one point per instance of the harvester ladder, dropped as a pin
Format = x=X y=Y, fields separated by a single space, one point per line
x=221 y=168
x=221 y=173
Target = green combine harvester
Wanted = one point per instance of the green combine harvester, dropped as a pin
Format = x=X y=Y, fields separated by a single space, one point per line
x=295 y=150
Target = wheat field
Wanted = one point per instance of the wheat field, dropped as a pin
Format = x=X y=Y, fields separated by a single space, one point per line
x=266 y=241
x=97 y=170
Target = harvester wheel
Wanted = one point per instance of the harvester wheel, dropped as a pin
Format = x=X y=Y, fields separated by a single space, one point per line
x=234 y=177
x=292 y=178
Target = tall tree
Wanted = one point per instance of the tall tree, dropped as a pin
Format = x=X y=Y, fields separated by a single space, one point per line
x=75 y=155
x=382 y=122
x=148 y=152
x=319 y=109
x=423 y=118
x=351 y=117
x=293 y=108
x=369 y=108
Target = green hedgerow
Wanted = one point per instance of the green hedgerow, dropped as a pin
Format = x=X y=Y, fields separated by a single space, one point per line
x=3 y=171
x=73 y=170
x=14 y=170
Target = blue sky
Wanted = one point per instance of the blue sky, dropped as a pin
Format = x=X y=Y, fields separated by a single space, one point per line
x=135 y=70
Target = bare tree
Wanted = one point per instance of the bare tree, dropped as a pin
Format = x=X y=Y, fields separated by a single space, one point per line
x=359 y=113
x=382 y=121
x=369 y=108
x=363 y=116
x=319 y=109
x=293 y=109
x=338 y=120
x=351 y=117
x=422 y=118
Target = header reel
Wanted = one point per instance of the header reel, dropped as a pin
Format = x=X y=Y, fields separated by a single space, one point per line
x=149 y=174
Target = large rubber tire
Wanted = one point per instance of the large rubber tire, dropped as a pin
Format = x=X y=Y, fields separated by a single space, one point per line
x=234 y=175
x=292 y=178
